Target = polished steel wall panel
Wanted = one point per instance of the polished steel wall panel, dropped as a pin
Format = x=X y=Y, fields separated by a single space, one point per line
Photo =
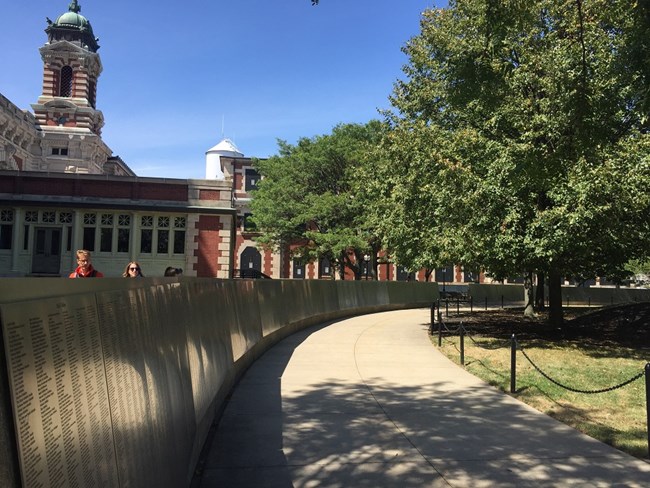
x=246 y=329
x=272 y=316
x=178 y=376
x=144 y=355
x=144 y=362
x=604 y=296
x=347 y=294
x=126 y=372
x=401 y=292
x=328 y=293
x=494 y=292
x=208 y=340
x=9 y=466
x=168 y=381
x=373 y=293
x=312 y=294
x=294 y=298
x=59 y=392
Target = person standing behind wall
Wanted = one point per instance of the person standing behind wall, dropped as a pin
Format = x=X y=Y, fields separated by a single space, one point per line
x=85 y=267
x=133 y=270
x=171 y=271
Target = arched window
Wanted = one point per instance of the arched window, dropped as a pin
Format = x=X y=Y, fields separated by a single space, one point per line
x=298 y=269
x=65 y=86
x=251 y=259
x=404 y=274
x=92 y=92
x=325 y=268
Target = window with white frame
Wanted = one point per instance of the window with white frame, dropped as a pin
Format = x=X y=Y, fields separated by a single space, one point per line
x=162 y=234
x=6 y=228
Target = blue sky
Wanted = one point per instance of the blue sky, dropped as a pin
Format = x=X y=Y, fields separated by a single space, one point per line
x=180 y=76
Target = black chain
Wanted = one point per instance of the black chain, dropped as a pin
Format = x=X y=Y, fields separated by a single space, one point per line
x=455 y=331
x=575 y=390
x=467 y=333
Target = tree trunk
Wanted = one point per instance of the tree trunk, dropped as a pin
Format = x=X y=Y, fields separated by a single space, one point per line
x=357 y=267
x=555 y=315
x=540 y=299
x=529 y=295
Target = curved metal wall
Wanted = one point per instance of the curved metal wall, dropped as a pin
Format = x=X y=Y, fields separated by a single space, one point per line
x=119 y=380
x=126 y=376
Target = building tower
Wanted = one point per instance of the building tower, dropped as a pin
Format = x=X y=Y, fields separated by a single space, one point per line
x=214 y=168
x=65 y=112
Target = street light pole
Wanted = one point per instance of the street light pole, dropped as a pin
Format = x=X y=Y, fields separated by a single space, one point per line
x=366 y=258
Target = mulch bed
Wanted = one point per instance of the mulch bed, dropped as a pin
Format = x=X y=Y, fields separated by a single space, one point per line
x=626 y=325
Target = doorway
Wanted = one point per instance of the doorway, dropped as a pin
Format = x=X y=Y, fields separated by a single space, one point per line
x=46 y=258
x=251 y=259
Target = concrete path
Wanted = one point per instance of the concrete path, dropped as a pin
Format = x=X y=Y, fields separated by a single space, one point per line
x=369 y=402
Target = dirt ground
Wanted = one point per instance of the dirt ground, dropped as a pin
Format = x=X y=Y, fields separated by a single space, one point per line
x=626 y=325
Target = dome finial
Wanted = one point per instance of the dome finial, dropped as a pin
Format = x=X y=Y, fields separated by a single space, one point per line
x=74 y=7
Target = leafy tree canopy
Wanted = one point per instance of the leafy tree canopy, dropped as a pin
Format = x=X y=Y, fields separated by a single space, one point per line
x=519 y=139
x=306 y=196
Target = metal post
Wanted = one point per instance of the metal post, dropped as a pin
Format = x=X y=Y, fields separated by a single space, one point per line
x=486 y=302
x=457 y=306
x=471 y=304
x=439 y=330
x=589 y=302
x=501 y=301
x=513 y=364
x=444 y=279
x=433 y=317
x=647 y=401
x=462 y=344
x=446 y=308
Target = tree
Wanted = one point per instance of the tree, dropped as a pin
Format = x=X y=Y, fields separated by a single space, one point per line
x=305 y=197
x=519 y=141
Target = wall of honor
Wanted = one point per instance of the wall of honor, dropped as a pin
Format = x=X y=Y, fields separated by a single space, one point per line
x=116 y=382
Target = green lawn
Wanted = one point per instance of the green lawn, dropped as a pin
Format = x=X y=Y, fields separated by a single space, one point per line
x=616 y=417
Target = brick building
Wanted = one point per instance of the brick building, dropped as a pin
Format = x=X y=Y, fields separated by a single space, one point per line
x=62 y=189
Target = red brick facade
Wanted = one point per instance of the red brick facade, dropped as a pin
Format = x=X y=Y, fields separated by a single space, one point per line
x=209 y=195
x=208 y=240
x=76 y=186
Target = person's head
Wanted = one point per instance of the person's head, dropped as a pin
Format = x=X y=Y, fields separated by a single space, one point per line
x=171 y=271
x=133 y=270
x=83 y=259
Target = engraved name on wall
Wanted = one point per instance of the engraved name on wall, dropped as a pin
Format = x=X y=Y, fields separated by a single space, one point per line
x=59 y=392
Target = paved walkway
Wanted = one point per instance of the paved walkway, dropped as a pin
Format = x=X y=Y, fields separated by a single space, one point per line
x=369 y=402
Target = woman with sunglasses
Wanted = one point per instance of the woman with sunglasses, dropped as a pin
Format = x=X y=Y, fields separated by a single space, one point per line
x=133 y=270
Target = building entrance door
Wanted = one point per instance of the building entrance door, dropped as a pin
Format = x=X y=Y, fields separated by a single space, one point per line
x=46 y=258
x=251 y=259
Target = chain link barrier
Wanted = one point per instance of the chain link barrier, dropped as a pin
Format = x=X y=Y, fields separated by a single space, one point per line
x=537 y=368
x=514 y=346
x=494 y=345
x=576 y=390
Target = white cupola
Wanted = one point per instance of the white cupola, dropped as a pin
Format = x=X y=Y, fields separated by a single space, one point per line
x=213 y=168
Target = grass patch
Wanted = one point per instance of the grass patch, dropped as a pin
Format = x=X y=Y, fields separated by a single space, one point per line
x=582 y=358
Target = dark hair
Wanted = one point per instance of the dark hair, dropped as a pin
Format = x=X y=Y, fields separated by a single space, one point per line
x=171 y=271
